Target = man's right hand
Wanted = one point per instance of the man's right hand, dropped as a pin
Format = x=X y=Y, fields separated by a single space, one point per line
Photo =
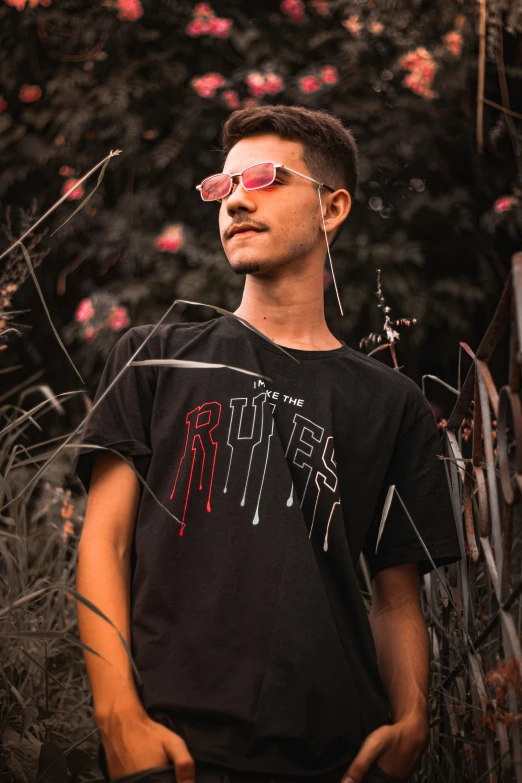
x=134 y=744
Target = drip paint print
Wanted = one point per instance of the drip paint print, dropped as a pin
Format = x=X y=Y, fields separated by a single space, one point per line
x=240 y=435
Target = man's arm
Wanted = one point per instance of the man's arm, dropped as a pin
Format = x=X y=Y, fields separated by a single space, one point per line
x=132 y=740
x=103 y=576
x=401 y=641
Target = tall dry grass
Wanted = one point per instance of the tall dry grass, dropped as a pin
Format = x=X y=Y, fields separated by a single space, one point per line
x=473 y=609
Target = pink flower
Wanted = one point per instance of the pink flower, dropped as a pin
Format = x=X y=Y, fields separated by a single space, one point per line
x=422 y=69
x=320 y=6
x=504 y=203
x=329 y=75
x=119 y=318
x=453 y=41
x=273 y=83
x=198 y=27
x=295 y=10
x=418 y=85
x=29 y=93
x=413 y=59
x=171 y=239
x=129 y=10
x=256 y=83
x=18 y=4
x=259 y=83
x=248 y=103
x=84 y=311
x=89 y=333
x=231 y=98
x=65 y=171
x=219 y=28
x=353 y=25
x=207 y=84
x=203 y=9
x=309 y=84
x=427 y=70
x=76 y=193
x=327 y=279
x=376 y=27
x=3 y=104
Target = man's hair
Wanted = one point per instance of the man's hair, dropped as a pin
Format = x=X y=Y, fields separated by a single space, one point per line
x=329 y=149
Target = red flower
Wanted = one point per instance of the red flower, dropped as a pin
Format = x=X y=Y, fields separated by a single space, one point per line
x=376 y=27
x=231 y=98
x=259 y=83
x=171 y=239
x=219 y=28
x=295 y=9
x=320 y=6
x=198 y=27
x=453 y=41
x=65 y=171
x=273 y=83
x=90 y=333
x=84 y=311
x=203 y=9
x=3 y=104
x=76 y=193
x=207 y=85
x=329 y=75
x=353 y=25
x=129 y=10
x=504 y=203
x=29 y=93
x=309 y=84
x=119 y=318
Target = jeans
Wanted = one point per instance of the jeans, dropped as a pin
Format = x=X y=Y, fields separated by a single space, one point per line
x=210 y=773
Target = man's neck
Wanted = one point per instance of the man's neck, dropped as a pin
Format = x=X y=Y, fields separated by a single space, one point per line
x=292 y=316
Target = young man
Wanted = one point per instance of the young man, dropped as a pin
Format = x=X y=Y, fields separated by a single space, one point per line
x=256 y=657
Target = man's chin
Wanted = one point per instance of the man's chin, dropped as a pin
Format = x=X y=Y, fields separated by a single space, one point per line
x=246 y=267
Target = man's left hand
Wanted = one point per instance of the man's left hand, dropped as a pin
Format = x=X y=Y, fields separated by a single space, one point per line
x=394 y=748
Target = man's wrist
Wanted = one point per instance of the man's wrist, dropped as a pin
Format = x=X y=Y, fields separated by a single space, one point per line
x=416 y=723
x=128 y=707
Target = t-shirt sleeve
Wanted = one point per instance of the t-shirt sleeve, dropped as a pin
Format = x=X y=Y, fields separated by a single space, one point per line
x=420 y=479
x=122 y=420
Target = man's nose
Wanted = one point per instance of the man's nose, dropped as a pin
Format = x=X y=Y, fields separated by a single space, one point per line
x=239 y=198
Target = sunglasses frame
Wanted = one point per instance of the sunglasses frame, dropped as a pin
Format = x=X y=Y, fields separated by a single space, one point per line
x=261 y=163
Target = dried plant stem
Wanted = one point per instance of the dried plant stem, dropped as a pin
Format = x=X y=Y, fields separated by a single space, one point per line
x=481 y=75
x=502 y=108
x=60 y=201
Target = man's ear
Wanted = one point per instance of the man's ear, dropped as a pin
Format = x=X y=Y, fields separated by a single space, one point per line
x=336 y=208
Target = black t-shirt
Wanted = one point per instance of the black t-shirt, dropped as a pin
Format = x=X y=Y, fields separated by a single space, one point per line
x=248 y=627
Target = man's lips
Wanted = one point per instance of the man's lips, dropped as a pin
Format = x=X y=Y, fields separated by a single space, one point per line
x=245 y=231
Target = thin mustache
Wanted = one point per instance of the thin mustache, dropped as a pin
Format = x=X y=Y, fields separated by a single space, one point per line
x=244 y=223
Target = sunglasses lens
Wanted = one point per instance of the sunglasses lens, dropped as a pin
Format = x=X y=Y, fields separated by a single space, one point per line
x=215 y=187
x=258 y=176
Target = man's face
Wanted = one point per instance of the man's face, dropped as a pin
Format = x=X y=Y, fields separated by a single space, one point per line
x=287 y=213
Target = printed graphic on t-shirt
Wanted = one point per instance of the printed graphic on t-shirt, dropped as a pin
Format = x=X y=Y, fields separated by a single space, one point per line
x=241 y=433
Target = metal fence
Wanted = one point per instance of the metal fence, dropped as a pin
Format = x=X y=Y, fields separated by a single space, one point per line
x=475 y=626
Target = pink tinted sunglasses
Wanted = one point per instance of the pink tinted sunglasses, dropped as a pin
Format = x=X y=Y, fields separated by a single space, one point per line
x=260 y=175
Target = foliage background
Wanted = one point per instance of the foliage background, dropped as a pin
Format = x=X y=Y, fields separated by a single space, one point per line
x=437 y=212
x=440 y=219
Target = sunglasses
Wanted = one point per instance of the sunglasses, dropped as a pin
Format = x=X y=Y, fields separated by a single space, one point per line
x=260 y=175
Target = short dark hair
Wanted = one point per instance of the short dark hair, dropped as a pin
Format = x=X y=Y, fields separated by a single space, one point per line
x=329 y=149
